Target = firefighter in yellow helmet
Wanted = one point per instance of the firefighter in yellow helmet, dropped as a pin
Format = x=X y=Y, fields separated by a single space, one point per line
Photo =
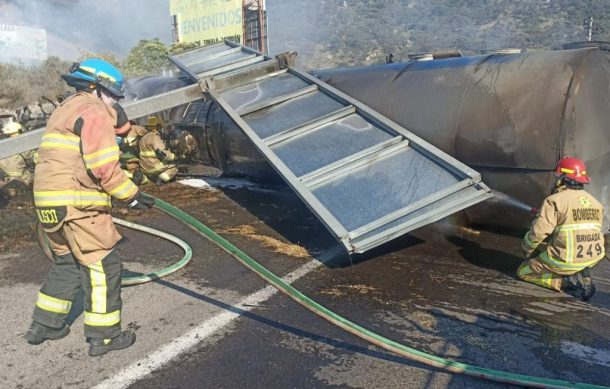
x=77 y=174
x=16 y=167
x=155 y=157
x=565 y=239
x=130 y=154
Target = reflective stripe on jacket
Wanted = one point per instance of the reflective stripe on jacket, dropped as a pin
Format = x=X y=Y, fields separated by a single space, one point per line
x=130 y=143
x=570 y=224
x=16 y=165
x=149 y=163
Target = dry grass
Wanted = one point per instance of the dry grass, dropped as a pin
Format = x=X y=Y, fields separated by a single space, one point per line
x=268 y=242
x=343 y=290
x=470 y=231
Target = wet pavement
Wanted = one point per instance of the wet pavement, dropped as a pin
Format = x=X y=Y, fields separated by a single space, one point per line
x=446 y=290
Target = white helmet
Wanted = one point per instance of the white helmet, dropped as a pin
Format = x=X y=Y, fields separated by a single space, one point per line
x=12 y=128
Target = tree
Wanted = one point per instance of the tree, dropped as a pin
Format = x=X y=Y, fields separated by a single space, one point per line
x=107 y=56
x=146 y=58
x=180 y=47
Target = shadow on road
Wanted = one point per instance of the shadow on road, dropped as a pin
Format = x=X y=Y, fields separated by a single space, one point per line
x=487 y=258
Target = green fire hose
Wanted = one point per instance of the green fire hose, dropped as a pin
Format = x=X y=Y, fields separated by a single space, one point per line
x=140 y=279
x=385 y=343
x=143 y=278
x=339 y=321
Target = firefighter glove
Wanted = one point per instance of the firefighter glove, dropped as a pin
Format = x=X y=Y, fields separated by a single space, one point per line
x=141 y=203
x=161 y=155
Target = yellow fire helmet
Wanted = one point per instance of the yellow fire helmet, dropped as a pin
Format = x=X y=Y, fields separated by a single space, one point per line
x=12 y=128
x=154 y=123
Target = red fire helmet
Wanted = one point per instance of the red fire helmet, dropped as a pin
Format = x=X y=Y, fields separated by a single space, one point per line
x=573 y=168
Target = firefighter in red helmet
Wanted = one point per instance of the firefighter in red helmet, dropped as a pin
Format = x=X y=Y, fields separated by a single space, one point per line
x=565 y=239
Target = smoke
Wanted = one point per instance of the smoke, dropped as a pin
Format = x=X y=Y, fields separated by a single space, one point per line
x=301 y=26
x=74 y=26
x=331 y=33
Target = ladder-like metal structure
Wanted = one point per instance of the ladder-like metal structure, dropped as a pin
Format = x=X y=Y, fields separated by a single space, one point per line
x=365 y=177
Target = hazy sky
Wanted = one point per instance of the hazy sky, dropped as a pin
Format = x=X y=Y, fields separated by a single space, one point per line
x=76 y=25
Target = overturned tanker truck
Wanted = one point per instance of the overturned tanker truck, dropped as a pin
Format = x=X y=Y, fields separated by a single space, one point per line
x=508 y=116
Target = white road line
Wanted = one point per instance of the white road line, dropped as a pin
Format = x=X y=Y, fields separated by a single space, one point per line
x=165 y=354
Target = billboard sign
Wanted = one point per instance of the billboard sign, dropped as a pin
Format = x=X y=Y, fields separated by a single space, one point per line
x=22 y=44
x=208 y=21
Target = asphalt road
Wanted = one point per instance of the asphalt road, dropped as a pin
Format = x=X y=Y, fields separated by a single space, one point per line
x=445 y=290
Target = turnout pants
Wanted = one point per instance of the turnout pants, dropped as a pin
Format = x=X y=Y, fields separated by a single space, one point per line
x=163 y=172
x=534 y=272
x=101 y=285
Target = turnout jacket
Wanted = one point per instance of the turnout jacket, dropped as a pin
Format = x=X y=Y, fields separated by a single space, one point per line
x=76 y=175
x=16 y=166
x=132 y=139
x=149 y=163
x=570 y=224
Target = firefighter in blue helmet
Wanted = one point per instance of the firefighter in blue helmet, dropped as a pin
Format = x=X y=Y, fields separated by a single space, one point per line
x=77 y=175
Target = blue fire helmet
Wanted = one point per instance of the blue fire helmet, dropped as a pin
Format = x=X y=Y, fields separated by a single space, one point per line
x=95 y=72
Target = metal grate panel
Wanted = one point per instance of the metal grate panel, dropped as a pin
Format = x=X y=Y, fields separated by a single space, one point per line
x=366 y=178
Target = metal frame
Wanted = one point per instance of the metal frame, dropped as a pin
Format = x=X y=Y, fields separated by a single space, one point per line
x=467 y=178
x=420 y=221
x=365 y=229
x=314 y=204
x=418 y=143
x=277 y=100
x=251 y=59
x=309 y=126
x=32 y=139
x=255 y=67
x=163 y=101
x=306 y=179
x=245 y=82
x=355 y=163
x=211 y=57
x=22 y=143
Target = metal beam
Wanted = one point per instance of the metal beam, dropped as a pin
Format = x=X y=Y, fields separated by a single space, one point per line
x=310 y=200
x=251 y=78
x=135 y=109
x=200 y=60
x=346 y=168
x=434 y=197
x=309 y=125
x=245 y=48
x=167 y=100
x=231 y=66
x=420 y=221
x=307 y=178
x=22 y=143
x=236 y=78
x=418 y=143
x=277 y=100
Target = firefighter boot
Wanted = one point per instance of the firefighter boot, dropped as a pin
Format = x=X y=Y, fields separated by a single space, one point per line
x=99 y=347
x=588 y=289
x=38 y=333
x=569 y=283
